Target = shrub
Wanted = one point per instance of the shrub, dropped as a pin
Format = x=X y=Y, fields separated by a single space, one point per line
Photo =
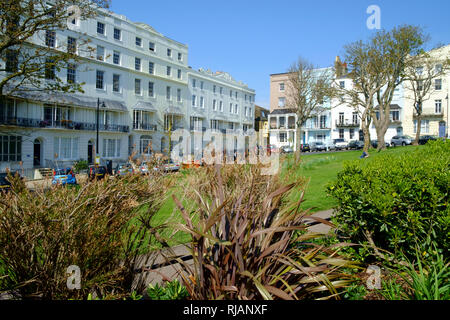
x=245 y=240
x=101 y=228
x=81 y=165
x=395 y=202
x=172 y=290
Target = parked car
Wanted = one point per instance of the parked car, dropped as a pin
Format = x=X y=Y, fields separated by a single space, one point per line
x=124 y=169
x=97 y=172
x=318 y=146
x=305 y=148
x=168 y=166
x=355 y=144
x=64 y=177
x=5 y=185
x=425 y=139
x=271 y=148
x=286 y=149
x=340 y=144
x=374 y=144
x=143 y=168
x=330 y=145
x=401 y=141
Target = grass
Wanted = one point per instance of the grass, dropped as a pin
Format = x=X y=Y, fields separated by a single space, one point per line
x=318 y=169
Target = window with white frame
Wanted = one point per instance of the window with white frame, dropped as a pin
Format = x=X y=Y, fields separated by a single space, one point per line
x=214 y=105
x=137 y=86
x=151 y=46
x=138 y=42
x=169 y=52
x=282 y=86
x=194 y=83
x=215 y=124
x=100 y=53
x=221 y=106
x=236 y=109
x=438 y=106
x=281 y=102
x=168 y=93
x=180 y=56
x=151 y=92
x=201 y=85
x=100 y=28
x=179 y=74
x=116 y=57
x=117 y=34
x=231 y=108
x=424 y=126
x=438 y=84
x=116 y=83
x=65 y=148
x=283 y=137
x=145 y=145
x=194 y=100
x=221 y=90
x=50 y=39
x=111 y=148
x=151 y=68
x=50 y=69
x=178 y=95
x=137 y=64
x=169 y=71
x=202 y=100
x=71 y=73
x=10 y=148
x=214 y=88
x=71 y=45
x=341 y=133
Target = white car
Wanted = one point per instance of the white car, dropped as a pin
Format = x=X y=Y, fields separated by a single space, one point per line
x=340 y=144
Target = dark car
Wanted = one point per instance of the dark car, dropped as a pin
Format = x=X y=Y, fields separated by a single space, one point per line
x=5 y=185
x=97 y=172
x=374 y=144
x=355 y=144
x=306 y=148
x=425 y=139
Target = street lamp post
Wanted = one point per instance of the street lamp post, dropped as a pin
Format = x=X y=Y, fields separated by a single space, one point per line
x=98 y=114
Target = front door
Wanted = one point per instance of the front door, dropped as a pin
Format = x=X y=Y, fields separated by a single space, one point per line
x=37 y=153
x=442 y=129
x=90 y=152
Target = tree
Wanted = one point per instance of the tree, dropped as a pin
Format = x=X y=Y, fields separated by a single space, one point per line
x=307 y=89
x=420 y=75
x=378 y=68
x=366 y=82
x=27 y=42
x=29 y=53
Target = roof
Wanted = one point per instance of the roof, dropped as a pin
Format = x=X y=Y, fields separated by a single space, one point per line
x=393 y=107
x=146 y=106
x=283 y=111
x=69 y=99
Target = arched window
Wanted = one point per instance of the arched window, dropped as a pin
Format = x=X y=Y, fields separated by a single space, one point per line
x=146 y=145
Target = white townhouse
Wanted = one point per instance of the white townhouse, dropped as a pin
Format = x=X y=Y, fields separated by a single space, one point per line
x=346 y=122
x=145 y=88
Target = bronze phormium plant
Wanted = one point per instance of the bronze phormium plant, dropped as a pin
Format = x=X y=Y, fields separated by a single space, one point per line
x=245 y=240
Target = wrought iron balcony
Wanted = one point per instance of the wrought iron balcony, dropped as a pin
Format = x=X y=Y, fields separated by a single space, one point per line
x=144 y=126
x=347 y=123
x=198 y=128
x=61 y=124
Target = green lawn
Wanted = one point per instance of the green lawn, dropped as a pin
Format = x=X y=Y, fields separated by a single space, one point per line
x=318 y=169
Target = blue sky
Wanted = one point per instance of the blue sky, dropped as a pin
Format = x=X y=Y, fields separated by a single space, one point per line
x=252 y=39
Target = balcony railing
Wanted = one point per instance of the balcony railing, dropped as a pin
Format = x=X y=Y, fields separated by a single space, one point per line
x=173 y=128
x=346 y=123
x=144 y=126
x=198 y=128
x=61 y=124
